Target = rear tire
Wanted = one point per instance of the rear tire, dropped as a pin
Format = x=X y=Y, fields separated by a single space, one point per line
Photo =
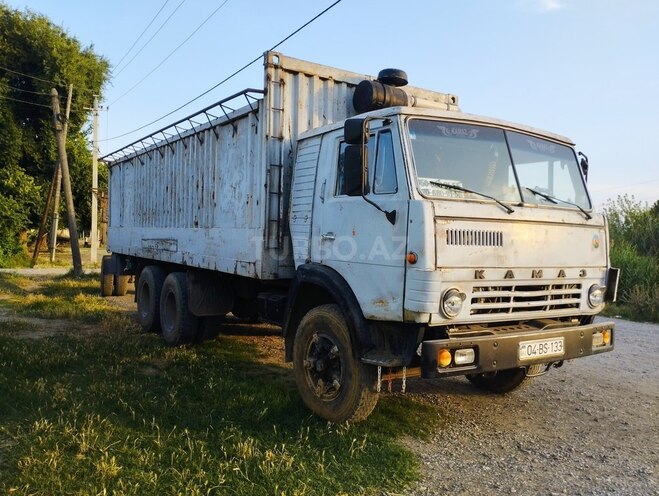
x=178 y=324
x=499 y=382
x=107 y=277
x=149 y=287
x=120 y=285
x=333 y=383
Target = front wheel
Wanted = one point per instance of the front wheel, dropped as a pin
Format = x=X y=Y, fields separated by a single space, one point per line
x=499 y=382
x=332 y=382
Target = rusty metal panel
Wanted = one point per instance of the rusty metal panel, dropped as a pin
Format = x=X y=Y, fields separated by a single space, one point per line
x=195 y=200
x=213 y=190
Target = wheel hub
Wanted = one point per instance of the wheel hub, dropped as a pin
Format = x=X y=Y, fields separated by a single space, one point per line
x=323 y=366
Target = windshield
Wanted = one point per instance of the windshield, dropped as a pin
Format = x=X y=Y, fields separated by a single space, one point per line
x=477 y=158
x=548 y=168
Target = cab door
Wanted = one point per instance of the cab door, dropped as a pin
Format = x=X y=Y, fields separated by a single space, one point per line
x=351 y=235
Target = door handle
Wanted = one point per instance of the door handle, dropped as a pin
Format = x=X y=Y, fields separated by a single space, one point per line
x=327 y=236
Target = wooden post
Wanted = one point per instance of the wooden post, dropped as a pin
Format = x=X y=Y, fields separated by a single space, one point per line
x=66 y=179
x=44 y=219
x=58 y=184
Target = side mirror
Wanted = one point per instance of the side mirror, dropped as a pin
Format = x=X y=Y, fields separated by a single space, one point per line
x=355 y=131
x=355 y=170
x=584 y=165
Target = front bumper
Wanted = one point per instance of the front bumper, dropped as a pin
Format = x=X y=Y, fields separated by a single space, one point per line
x=499 y=351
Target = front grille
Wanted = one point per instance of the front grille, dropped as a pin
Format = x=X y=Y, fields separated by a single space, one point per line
x=524 y=298
x=472 y=237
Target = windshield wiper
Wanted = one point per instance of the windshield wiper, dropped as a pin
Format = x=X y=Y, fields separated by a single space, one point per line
x=460 y=188
x=555 y=200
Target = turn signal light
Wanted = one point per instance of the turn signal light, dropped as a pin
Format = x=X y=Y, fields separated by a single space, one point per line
x=602 y=338
x=444 y=358
x=412 y=258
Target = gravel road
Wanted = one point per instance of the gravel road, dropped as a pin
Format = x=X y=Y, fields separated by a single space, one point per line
x=590 y=427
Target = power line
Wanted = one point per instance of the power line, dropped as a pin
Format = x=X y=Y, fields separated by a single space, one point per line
x=23 y=90
x=230 y=76
x=141 y=34
x=149 y=40
x=170 y=53
x=29 y=76
x=41 y=93
x=24 y=101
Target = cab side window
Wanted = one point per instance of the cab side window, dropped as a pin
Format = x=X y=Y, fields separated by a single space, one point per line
x=381 y=166
x=385 y=181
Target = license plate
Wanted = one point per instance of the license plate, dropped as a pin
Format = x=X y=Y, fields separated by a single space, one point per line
x=540 y=348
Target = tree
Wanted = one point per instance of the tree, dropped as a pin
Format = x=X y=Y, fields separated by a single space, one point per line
x=35 y=56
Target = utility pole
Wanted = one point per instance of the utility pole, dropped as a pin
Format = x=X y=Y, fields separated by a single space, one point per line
x=64 y=164
x=94 y=233
x=58 y=184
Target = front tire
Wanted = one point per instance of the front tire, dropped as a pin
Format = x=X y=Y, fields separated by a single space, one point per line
x=499 y=382
x=332 y=382
x=179 y=325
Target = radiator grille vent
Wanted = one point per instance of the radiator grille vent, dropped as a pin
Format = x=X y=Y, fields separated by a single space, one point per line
x=514 y=299
x=471 y=237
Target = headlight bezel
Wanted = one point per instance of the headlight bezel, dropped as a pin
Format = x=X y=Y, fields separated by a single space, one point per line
x=596 y=295
x=452 y=302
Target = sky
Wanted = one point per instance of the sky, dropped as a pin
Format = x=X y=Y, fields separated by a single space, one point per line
x=586 y=69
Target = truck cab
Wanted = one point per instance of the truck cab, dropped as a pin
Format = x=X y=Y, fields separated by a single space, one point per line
x=470 y=244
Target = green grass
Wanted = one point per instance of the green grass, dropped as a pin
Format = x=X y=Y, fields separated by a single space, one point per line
x=117 y=412
x=23 y=257
x=64 y=297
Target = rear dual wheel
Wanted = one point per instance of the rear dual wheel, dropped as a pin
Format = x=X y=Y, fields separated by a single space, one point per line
x=120 y=287
x=162 y=306
x=149 y=287
x=178 y=324
x=107 y=277
x=111 y=284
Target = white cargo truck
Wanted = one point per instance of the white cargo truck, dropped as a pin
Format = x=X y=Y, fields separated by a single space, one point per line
x=388 y=233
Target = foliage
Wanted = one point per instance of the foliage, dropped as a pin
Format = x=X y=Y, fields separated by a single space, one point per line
x=634 y=223
x=19 y=198
x=105 y=409
x=36 y=56
x=634 y=233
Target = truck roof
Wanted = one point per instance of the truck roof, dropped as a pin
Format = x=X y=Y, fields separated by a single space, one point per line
x=449 y=116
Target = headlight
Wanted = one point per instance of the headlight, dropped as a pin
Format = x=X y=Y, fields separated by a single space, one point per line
x=452 y=302
x=596 y=295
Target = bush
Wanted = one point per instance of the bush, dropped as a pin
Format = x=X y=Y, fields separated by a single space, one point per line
x=645 y=301
x=19 y=199
x=635 y=223
x=634 y=233
x=637 y=270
